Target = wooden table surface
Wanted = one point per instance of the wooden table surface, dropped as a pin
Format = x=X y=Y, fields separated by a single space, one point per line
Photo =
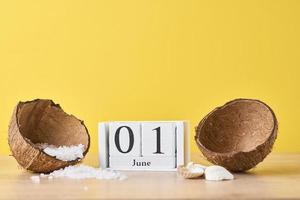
x=278 y=177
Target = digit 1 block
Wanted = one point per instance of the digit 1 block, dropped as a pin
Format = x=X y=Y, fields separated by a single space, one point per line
x=124 y=139
x=158 y=139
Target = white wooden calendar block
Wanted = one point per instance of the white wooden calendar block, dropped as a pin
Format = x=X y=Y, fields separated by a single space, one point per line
x=143 y=163
x=158 y=139
x=143 y=145
x=124 y=139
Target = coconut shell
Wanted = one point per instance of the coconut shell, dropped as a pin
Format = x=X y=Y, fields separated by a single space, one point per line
x=237 y=135
x=187 y=174
x=43 y=121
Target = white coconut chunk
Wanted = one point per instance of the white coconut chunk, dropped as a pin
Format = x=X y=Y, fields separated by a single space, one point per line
x=191 y=165
x=35 y=179
x=42 y=175
x=195 y=168
x=198 y=165
x=65 y=153
x=217 y=173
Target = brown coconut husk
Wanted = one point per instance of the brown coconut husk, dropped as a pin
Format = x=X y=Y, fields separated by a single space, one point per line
x=43 y=121
x=237 y=135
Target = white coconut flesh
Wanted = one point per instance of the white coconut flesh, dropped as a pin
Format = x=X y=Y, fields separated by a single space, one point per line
x=217 y=173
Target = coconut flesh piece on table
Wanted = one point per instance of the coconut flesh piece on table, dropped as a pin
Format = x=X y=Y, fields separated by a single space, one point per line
x=217 y=173
x=237 y=135
x=43 y=122
x=191 y=170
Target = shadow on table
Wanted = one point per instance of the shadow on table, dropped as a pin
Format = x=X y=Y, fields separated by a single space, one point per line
x=274 y=171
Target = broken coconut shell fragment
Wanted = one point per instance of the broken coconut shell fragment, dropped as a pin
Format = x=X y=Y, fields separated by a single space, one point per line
x=237 y=135
x=44 y=122
x=190 y=171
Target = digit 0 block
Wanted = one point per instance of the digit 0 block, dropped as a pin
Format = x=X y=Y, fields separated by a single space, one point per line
x=124 y=139
x=158 y=139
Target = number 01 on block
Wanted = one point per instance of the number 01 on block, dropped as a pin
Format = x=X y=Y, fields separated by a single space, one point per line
x=143 y=145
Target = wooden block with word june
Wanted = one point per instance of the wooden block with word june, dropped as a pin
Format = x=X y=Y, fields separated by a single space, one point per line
x=142 y=163
x=143 y=145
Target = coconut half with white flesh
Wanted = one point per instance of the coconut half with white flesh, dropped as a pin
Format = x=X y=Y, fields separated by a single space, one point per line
x=44 y=122
x=237 y=135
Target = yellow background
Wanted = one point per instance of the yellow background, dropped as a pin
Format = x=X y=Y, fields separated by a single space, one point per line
x=151 y=60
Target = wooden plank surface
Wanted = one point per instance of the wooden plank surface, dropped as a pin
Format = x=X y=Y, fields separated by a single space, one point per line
x=278 y=177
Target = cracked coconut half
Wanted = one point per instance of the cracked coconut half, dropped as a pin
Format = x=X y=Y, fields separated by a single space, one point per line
x=237 y=135
x=43 y=122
